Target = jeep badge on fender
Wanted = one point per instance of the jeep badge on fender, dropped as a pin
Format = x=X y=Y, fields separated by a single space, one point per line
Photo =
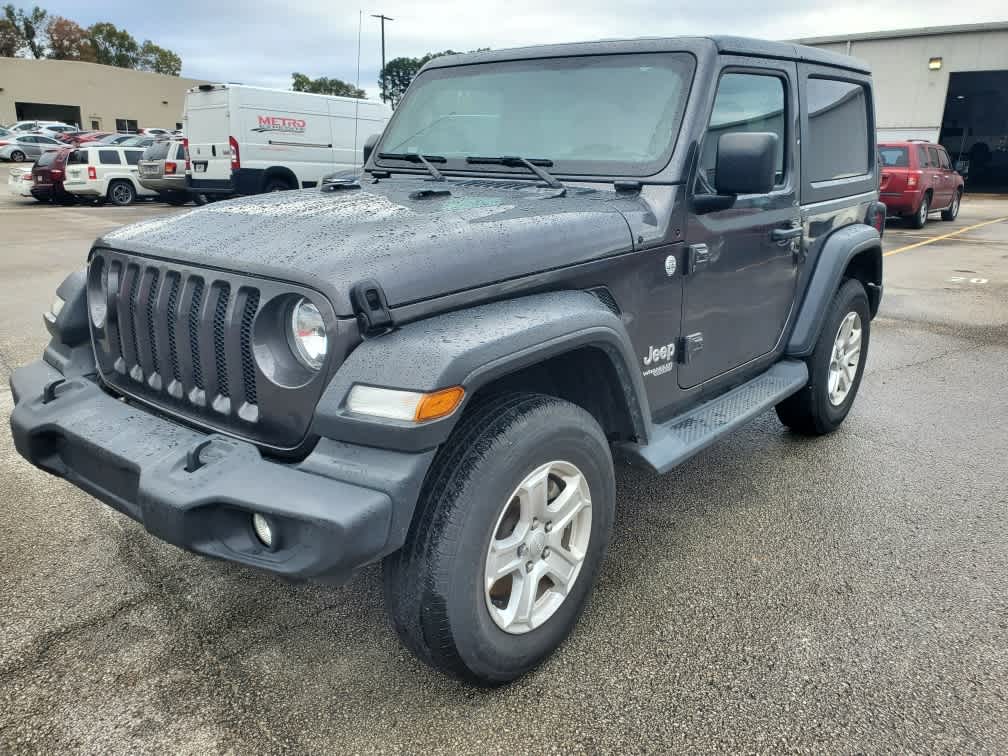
x=434 y=363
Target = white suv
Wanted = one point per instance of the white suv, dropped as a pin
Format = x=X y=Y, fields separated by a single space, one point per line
x=107 y=172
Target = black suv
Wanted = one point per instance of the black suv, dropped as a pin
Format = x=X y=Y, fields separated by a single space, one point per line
x=555 y=257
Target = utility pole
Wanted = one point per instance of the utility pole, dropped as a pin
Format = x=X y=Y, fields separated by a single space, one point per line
x=384 y=18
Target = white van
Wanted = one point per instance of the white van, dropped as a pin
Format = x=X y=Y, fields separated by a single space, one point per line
x=247 y=140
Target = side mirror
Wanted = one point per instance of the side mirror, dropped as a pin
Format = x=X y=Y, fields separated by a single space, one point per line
x=746 y=163
x=369 y=145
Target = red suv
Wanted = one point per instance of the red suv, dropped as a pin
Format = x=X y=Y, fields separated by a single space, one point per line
x=48 y=174
x=917 y=179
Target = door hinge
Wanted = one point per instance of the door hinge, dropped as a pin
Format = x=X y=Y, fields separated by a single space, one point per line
x=688 y=346
x=697 y=255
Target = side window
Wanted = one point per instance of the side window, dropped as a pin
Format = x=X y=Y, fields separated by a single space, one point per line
x=922 y=157
x=109 y=157
x=932 y=157
x=744 y=102
x=943 y=159
x=133 y=156
x=838 y=139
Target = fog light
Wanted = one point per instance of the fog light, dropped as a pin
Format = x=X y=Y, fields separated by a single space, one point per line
x=263 y=530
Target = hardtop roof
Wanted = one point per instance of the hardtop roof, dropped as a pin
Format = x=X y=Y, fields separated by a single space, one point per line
x=722 y=44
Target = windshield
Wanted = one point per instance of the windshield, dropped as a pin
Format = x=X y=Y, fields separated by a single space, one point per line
x=600 y=114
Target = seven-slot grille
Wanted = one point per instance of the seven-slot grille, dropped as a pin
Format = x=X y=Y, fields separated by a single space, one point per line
x=176 y=335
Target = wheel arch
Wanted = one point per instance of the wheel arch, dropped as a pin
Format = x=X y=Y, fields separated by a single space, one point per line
x=564 y=344
x=854 y=251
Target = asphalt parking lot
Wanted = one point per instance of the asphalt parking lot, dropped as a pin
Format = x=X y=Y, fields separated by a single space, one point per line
x=846 y=594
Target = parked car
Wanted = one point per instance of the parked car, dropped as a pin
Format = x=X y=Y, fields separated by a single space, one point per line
x=32 y=126
x=142 y=142
x=435 y=364
x=26 y=147
x=4 y=132
x=918 y=179
x=19 y=181
x=48 y=174
x=83 y=137
x=56 y=130
x=155 y=132
x=108 y=172
x=163 y=169
x=247 y=140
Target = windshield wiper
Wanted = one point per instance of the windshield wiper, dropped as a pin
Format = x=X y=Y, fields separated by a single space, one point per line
x=416 y=157
x=514 y=161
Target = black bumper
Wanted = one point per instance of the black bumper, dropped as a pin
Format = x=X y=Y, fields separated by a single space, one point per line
x=339 y=508
x=242 y=181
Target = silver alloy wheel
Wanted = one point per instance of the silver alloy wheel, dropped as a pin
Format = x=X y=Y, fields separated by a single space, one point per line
x=923 y=212
x=538 y=547
x=845 y=358
x=17 y=156
x=955 y=204
x=121 y=194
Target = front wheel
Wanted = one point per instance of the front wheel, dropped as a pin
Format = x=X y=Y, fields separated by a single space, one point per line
x=17 y=156
x=835 y=367
x=509 y=534
x=950 y=213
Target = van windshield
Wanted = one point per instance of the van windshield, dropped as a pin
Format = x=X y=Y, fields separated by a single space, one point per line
x=599 y=114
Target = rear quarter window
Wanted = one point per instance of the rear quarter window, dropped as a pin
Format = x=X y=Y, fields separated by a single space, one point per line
x=838 y=134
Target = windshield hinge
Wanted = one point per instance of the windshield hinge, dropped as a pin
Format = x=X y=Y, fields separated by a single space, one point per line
x=371 y=308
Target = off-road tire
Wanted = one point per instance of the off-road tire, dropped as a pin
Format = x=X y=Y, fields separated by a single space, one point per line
x=919 y=218
x=810 y=411
x=121 y=193
x=950 y=213
x=434 y=585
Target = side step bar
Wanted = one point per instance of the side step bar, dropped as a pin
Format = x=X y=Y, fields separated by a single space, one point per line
x=680 y=438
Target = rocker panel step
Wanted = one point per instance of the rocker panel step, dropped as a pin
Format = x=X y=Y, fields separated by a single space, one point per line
x=678 y=439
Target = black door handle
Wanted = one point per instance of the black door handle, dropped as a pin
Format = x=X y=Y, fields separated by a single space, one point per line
x=783 y=234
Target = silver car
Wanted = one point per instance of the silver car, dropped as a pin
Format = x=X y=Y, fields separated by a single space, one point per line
x=27 y=147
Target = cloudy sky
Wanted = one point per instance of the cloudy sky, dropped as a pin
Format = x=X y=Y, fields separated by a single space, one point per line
x=262 y=41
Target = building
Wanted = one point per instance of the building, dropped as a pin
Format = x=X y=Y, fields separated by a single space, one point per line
x=947 y=84
x=90 y=95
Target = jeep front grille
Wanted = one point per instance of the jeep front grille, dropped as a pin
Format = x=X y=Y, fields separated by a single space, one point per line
x=184 y=339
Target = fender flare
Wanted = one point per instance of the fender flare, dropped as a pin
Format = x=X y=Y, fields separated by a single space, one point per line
x=842 y=246
x=471 y=348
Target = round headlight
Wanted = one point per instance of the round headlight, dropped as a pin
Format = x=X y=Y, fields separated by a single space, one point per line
x=308 y=334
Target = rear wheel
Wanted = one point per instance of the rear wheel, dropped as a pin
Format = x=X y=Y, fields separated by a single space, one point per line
x=510 y=531
x=920 y=217
x=835 y=367
x=277 y=185
x=950 y=213
x=121 y=193
x=17 y=156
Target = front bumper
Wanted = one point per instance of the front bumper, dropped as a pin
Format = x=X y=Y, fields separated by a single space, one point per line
x=341 y=507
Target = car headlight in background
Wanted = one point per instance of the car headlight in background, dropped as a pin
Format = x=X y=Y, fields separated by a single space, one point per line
x=308 y=334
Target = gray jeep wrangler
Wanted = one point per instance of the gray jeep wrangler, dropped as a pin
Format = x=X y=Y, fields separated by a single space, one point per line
x=555 y=257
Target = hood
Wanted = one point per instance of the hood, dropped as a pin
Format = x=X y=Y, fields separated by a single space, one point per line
x=417 y=245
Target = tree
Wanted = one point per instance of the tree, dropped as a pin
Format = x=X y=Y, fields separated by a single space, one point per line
x=158 y=59
x=68 y=40
x=399 y=72
x=325 y=85
x=113 y=46
x=10 y=39
x=28 y=27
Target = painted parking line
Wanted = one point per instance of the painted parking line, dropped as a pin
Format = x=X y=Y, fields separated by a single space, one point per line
x=934 y=239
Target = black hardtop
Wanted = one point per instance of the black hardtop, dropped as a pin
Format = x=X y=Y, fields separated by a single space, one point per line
x=759 y=48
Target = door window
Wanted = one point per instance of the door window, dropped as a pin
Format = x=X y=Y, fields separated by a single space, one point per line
x=109 y=157
x=133 y=156
x=943 y=159
x=745 y=102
